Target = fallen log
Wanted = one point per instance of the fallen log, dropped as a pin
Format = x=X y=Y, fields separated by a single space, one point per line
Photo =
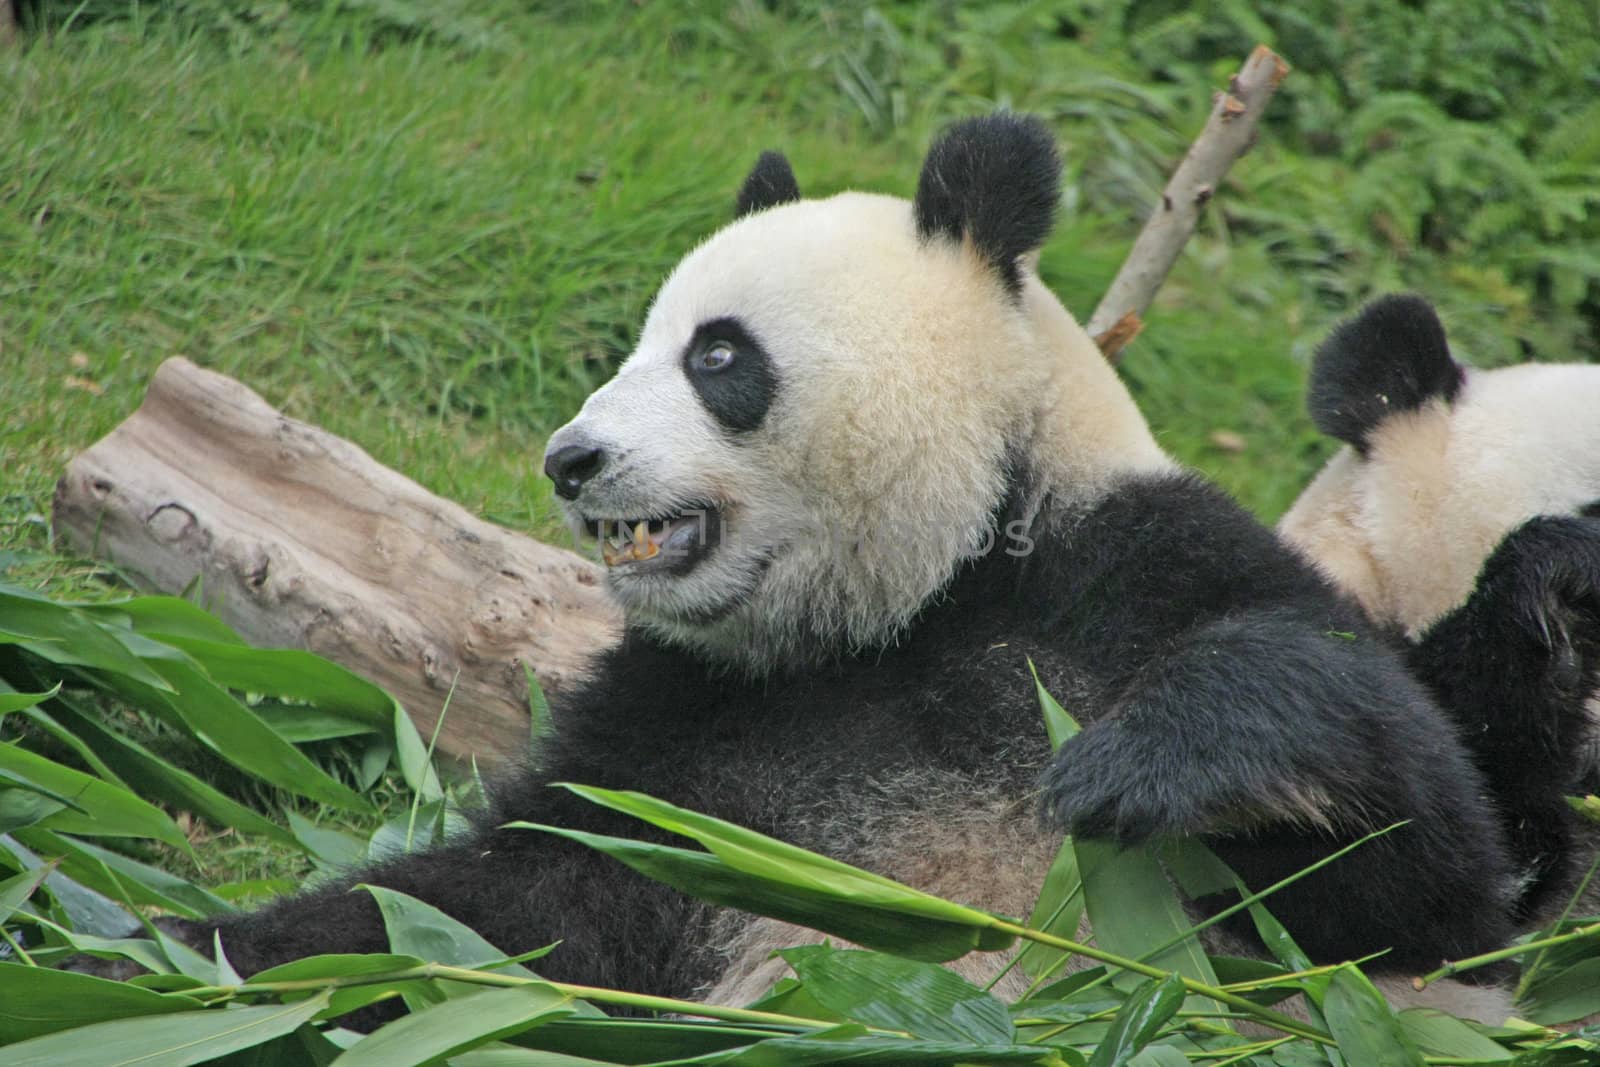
x=299 y=539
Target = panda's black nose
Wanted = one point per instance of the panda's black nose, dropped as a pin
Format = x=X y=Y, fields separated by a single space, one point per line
x=570 y=466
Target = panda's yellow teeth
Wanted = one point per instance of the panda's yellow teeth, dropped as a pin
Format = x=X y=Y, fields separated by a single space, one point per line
x=628 y=546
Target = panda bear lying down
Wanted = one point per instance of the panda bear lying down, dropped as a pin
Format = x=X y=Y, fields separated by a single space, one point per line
x=861 y=469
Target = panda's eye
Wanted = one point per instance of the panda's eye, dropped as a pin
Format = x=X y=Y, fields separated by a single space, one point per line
x=715 y=357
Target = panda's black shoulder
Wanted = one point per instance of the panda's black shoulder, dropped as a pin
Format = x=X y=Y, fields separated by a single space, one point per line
x=1392 y=356
x=1164 y=550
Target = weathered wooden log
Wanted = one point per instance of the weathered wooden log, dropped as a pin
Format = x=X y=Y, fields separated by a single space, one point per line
x=301 y=540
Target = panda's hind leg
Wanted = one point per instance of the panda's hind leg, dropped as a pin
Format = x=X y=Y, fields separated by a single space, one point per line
x=1515 y=666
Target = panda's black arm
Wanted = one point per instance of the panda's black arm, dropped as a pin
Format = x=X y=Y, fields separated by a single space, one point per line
x=1246 y=704
x=1515 y=664
x=1514 y=667
x=519 y=889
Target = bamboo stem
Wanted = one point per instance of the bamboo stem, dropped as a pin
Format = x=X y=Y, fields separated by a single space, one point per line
x=1227 y=135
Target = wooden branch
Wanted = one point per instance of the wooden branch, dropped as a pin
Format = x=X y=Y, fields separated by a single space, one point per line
x=302 y=540
x=1228 y=134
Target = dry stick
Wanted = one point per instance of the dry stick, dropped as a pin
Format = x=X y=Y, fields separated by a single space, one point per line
x=1228 y=134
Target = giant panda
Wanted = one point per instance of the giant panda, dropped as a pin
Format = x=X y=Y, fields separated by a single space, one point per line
x=861 y=469
x=1463 y=513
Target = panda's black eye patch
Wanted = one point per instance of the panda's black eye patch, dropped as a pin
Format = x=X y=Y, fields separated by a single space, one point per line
x=731 y=373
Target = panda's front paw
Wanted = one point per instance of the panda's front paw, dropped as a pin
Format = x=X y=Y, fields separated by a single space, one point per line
x=1099 y=786
x=1549 y=570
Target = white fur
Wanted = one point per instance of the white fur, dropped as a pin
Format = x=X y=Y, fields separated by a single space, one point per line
x=1406 y=529
x=907 y=372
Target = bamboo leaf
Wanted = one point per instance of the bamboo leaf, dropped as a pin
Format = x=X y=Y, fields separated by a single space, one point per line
x=96 y=807
x=235 y=733
x=1134 y=910
x=36 y=1001
x=1148 y=1008
x=756 y=854
x=921 y=999
x=458 y=1025
x=1364 y=1025
x=1445 y=1035
x=11 y=700
x=171 y=1040
x=419 y=929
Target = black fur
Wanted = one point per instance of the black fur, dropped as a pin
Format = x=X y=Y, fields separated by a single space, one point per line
x=738 y=394
x=1392 y=356
x=1515 y=666
x=994 y=181
x=770 y=182
x=1217 y=672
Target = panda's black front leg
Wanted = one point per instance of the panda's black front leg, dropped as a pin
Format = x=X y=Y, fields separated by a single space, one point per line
x=1242 y=721
x=1279 y=739
x=1514 y=667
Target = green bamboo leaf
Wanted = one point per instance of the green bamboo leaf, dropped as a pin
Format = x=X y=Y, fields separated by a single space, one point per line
x=150 y=775
x=331 y=849
x=1134 y=910
x=921 y=999
x=167 y=615
x=1364 y=1025
x=290 y=674
x=848 y=1044
x=146 y=885
x=419 y=929
x=1058 y=911
x=767 y=858
x=96 y=807
x=36 y=1001
x=458 y=1025
x=15 y=891
x=11 y=700
x=875 y=925
x=1445 y=1035
x=235 y=733
x=651 y=1041
x=175 y=1040
x=1058 y=724
x=354 y=997
x=1148 y=1008
x=1563 y=995
x=510 y=1056
x=63 y=634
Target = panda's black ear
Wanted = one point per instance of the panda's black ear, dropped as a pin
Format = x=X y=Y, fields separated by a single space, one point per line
x=769 y=183
x=994 y=181
x=1391 y=357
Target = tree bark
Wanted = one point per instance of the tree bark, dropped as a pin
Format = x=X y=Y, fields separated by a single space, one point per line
x=1227 y=135
x=300 y=539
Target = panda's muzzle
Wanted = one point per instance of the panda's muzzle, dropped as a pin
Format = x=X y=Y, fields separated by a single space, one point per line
x=674 y=544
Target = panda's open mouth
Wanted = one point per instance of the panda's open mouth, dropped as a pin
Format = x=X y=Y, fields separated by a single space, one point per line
x=673 y=544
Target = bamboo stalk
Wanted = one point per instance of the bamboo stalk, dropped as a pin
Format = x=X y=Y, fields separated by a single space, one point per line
x=1227 y=135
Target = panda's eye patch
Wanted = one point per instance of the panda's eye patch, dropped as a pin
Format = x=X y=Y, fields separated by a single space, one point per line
x=731 y=373
x=716 y=356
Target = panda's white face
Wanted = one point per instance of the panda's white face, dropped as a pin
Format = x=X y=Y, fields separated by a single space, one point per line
x=815 y=426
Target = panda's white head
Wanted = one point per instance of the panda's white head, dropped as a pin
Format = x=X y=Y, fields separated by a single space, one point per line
x=827 y=404
x=1443 y=460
